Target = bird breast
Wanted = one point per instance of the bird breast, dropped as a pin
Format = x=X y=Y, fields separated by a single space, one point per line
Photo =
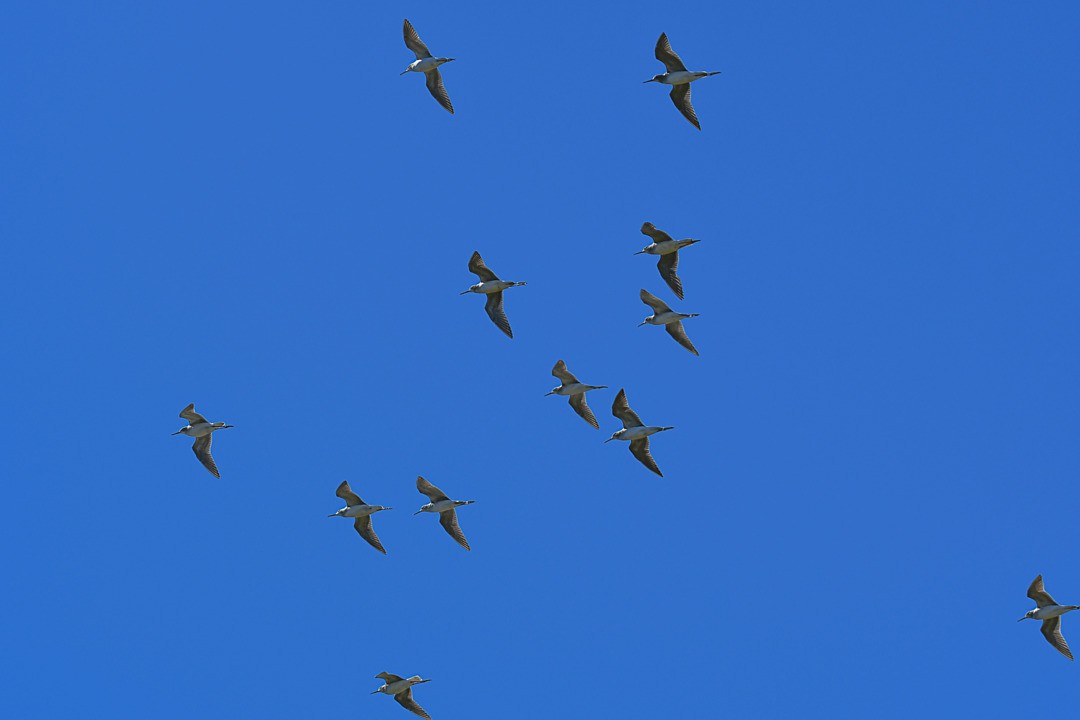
x=665 y=318
x=663 y=248
x=200 y=430
x=359 y=511
x=1051 y=611
x=425 y=64
x=442 y=506
x=679 y=77
x=491 y=286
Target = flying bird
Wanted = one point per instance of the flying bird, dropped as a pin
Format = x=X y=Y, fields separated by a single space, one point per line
x=199 y=428
x=671 y=320
x=446 y=508
x=679 y=78
x=635 y=431
x=576 y=390
x=357 y=508
x=668 y=250
x=493 y=287
x=1050 y=613
x=428 y=65
x=401 y=689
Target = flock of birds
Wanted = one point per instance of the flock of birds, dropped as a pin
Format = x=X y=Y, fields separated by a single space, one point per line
x=633 y=431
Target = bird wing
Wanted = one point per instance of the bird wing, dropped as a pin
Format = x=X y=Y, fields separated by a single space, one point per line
x=1038 y=593
x=680 y=95
x=433 y=493
x=345 y=493
x=191 y=416
x=563 y=374
x=495 y=311
x=389 y=677
x=640 y=449
x=581 y=408
x=478 y=268
x=666 y=55
x=435 y=86
x=201 y=448
x=448 y=519
x=659 y=306
x=1051 y=630
x=677 y=331
x=656 y=235
x=621 y=409
x=406 y=701
x=414 y=43
x=668 y=266
x=367 y=531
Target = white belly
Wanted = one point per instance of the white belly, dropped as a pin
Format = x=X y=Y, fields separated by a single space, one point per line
x=679 y=77
x=442 y=505
x=1050 y=611
x=424 y=65
x=491 y=286
x=573 y=389
x=665 y=318
x=201 y=429
x=663 y=248
x=396 y=687
x=635 y=433
x=359 y=511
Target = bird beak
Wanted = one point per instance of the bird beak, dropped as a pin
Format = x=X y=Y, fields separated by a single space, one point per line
x=649 y=80
x=641 y=323
x=227 y=426
x=334 y=515
x=549 y=393
x=466 y=292
x=450 y=59
x=376 y=692
x=1023 y=618
x=639 y=252
x=175 y=433
x=418 y=512
x=609 y=439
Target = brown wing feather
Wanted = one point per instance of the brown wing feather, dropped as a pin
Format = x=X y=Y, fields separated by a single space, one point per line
x=1038 y=593
x=640 y=449
x=367 y=531
x=666 y=55
x=656 y=235
x=433 y=79
x=680 y=95
x=495 y=311
x=191 y=416
x=582 y=408
x=405 y=699
x=448 y=519
x=478 y=268
x=433 y=493
x=621 y=409
x=201 y=448
x=563 y=374
x=414 y=43
x=668 y=266
x=1051 y=630
x=677 y=331
x=658 y=305
x=345 y=493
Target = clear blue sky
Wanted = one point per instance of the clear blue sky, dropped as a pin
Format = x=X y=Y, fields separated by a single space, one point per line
x=244 y=206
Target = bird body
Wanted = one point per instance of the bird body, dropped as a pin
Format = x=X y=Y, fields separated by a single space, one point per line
x=200 y=428
x=446 y=509
x=576 y=391
x=635 y=431
x=663 y=315
x=493 y=287
x=401 y=689
x=668 y=249
x=443 y=505
x=427 y=65
x=360 y=511
x=1050 y=612
x=678 y=77
x=666 y=318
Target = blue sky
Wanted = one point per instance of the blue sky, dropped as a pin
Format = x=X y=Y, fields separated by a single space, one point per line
x=244 y=206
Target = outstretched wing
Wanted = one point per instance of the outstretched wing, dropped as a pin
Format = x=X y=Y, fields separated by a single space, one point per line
x=1038 y=593
x=367 y=531
x=433 y=493
x=201 y=447
x=656 y=235
x=668 y=266
x=345 y=493
x=677 y=331
x=448 y=519
x=495 y=311
x=390 y=678
x=191 y=416
x=680 y=95
x=563 y=374
x=1051 y=630
x=581 y=408
x=640 y=450
x=414 y=43
x=478 y=268
x=406 y=701
x=666 y=55
x=659 y=306
x=621 y=409
x=435 y=86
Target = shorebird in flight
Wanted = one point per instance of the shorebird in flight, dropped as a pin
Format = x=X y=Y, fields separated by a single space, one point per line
x=671 y=320
x=428 y=65
x=446 y=508
x=668 y=250
x=357 y=508
x=635 y=431
x=576 y=390
x=679 y=78
x=200 y=429
x=493 y=287
x=401 y=689
x=1050 y=613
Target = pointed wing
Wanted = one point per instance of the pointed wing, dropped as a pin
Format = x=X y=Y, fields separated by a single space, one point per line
x=389 y=677
x=581 y=408
x=640 y=449
x=680 y=95
x=621 y=409
x=656 y=235
x=1038 y=593
x=495 y=311
x=406 y=701
x=1051 y=630
x=191 y=416
x=668 y=266
x=448 y=519
x=345 y=493
x=666 y=55
x=201 y=447
x=677 y=331
x=659 y=306
x=435 y=86
x=563 y=374
x=367 y=531
x=414 y=43
x=434 y=494
x=478 y=268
